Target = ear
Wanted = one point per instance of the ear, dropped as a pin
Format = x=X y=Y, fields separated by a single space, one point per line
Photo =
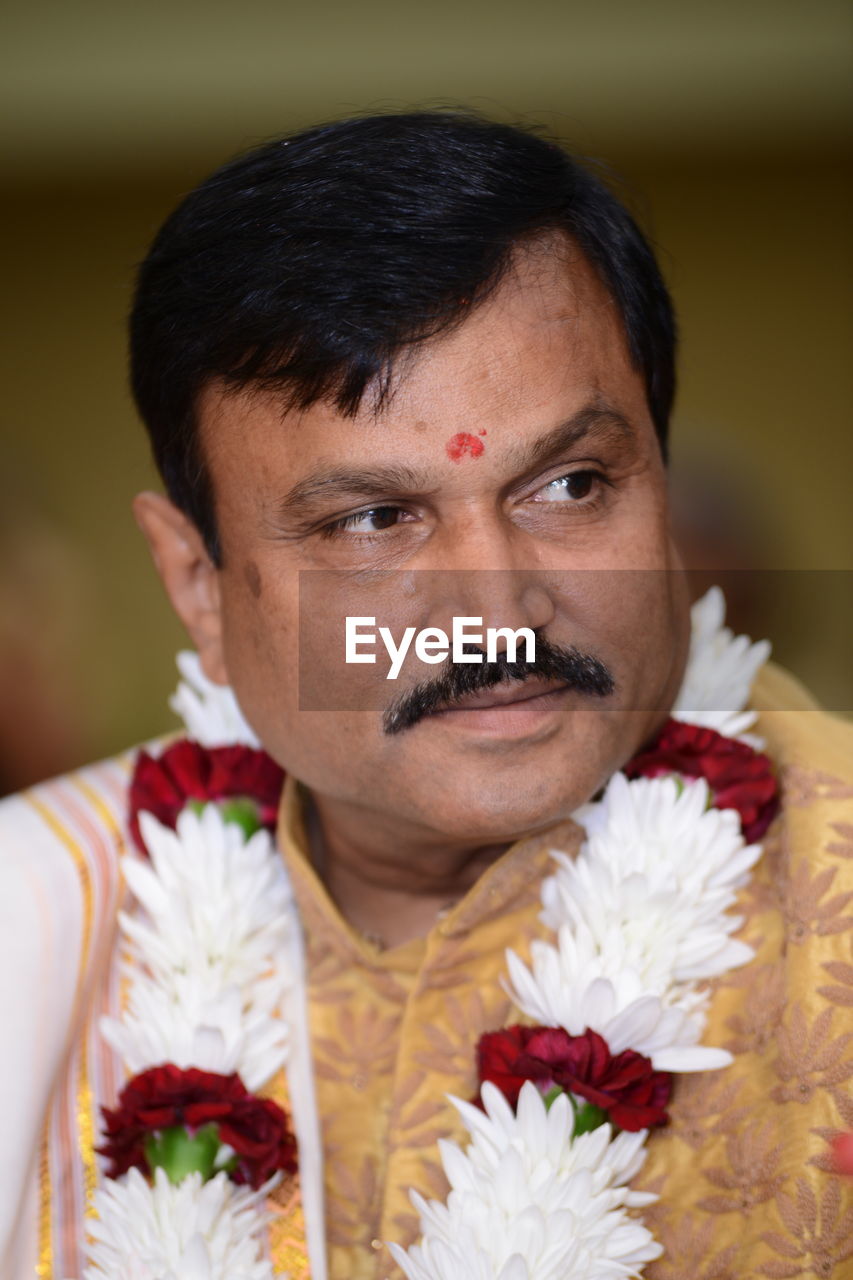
x=189 y=575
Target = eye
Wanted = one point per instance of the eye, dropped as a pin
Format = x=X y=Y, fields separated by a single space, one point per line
x=373 y=520
x=573 y=487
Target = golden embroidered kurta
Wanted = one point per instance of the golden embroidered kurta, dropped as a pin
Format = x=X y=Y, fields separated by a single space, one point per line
x=742 y=1168
x=393 y=1032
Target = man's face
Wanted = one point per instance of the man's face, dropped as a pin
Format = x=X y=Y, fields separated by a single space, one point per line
x=513 y=475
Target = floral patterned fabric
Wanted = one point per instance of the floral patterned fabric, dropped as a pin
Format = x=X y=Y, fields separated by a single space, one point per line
x=743 y=1167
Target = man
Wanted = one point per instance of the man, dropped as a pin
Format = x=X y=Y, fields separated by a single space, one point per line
x=409 y=370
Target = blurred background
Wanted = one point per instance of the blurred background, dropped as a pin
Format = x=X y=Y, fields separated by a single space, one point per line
x=729 y=125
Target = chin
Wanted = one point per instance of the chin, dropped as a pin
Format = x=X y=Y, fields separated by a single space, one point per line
x=496 y=811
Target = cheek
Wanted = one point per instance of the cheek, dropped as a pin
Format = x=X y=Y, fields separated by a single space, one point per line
x=641 y=538
x=643 y=608
x=260 y=634
x=278 y=646
x=634 y=621
x=327 y=751
x=651 y=631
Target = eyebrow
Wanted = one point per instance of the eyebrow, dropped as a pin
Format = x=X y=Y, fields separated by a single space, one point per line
x=598 y=418
x=343 y=484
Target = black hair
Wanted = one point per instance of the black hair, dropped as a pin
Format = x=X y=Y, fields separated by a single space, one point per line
x=310 y=263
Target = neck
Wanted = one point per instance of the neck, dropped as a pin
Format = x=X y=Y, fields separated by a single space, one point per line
x=389 y=888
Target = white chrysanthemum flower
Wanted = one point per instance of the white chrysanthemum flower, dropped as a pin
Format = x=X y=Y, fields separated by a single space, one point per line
x=210 y=712
x=183 y=1028
x=212 y=900
x=192 y=1231
x=720 y=671
x=640 y=917
x=566 y=987
x=664 y=832
x=207 y=950
x=528 y=1203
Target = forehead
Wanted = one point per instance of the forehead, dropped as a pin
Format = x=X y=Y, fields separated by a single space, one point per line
x=548 y=342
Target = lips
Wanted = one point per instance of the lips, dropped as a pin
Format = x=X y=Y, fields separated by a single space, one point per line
x=503 y=695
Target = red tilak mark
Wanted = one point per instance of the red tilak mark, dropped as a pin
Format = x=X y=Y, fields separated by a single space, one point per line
x=482 y=431
x=461 y=444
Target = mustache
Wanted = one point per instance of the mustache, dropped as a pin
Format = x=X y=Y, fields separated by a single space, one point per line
x=575 y=670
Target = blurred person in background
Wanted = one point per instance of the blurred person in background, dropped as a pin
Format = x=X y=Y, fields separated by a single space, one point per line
x=381 y=350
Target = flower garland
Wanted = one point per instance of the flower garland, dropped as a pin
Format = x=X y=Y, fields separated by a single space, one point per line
x=191 y=1150
x=641 y=920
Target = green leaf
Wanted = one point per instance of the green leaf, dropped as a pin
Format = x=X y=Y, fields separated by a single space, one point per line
x=179 y=1152
x=588 y=1117
x=243 y=811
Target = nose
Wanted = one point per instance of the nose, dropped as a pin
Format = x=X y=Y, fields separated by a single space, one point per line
x=488 y=576
x=503 y=600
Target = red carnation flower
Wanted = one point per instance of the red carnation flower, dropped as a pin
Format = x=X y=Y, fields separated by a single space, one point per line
x=167 y=1097
x=739 y=777
x=624 y=1085
x=163 y=785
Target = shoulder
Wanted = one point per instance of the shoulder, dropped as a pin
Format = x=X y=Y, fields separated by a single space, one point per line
x=60 y=887
x=812 y=748
x=60 y=846
x=70 y=817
